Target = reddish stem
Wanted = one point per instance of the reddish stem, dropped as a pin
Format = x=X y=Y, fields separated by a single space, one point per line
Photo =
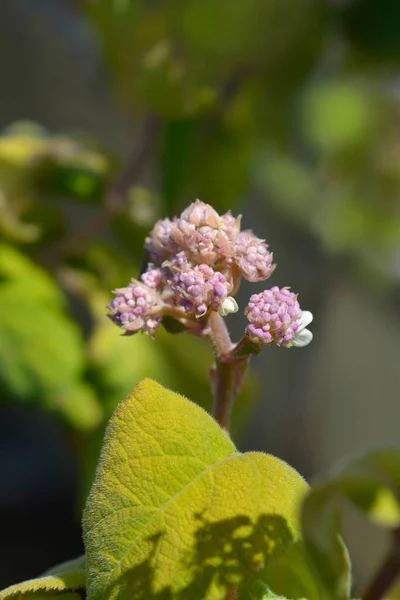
x=227 y=374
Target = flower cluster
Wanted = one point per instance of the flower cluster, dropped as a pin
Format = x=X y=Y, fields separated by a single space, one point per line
x=200 y=288
x=135 y=307
x=276 y=318
x=197 y=263
x=202 y=236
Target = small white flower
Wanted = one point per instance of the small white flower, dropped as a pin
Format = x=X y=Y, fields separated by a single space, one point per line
x=303 y=336
x=228 y=306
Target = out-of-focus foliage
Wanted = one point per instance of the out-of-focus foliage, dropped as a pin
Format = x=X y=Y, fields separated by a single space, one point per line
x=296 y=85
x=35 y=169
x=42 y=353
x=67 y=580
x=372 y=485
x=207 y=70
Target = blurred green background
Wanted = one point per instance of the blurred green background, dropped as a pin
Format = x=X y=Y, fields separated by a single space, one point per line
x=115 y=113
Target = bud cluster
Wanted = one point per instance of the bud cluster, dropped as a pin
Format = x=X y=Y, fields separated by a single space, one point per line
x=274 y=317
x=135 y=308
x=197 y=262
x=200 y=288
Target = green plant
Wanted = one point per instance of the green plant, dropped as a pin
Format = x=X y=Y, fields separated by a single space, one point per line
x=175 y=510
x=228 y=96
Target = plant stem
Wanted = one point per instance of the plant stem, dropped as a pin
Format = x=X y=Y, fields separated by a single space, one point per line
x=387 y=573
x=231 y=594
x=219 y=335
x=224 y=396
x=227 y=373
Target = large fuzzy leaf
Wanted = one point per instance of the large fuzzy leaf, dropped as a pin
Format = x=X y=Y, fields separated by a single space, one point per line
x=176 y=511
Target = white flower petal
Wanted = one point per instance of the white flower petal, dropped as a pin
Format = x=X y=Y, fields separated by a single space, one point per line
x=228 y=306
x=302 y=338
x=306 y=319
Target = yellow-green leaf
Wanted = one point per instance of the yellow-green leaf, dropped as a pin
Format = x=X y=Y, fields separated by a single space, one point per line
x=63 y=580
x=175 y=510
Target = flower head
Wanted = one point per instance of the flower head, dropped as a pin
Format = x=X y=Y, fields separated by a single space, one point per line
x=154 y=277
x=276 y=319
x=204 y=234
x=135 y=308
x=199 y=289
x=252 y=257
x=199 y=214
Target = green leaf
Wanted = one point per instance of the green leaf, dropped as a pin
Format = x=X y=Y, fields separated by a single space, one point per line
x=20 y=274
x=338 y=114
x=63 y=580
x=175 y=510
x=41 y=350
x=372 y=485
x=290 y=575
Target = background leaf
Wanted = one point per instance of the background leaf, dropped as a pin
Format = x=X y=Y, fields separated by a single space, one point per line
x=58 y=581
x=42 y=354
x=290 y=575
x=372 y=485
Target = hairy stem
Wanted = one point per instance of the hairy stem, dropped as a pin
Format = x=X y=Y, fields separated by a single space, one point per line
x=227 y=374
x=219 y=335
x=387 y=573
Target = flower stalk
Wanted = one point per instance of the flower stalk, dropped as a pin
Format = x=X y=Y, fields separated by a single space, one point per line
x=226 y=378
x=227 y=374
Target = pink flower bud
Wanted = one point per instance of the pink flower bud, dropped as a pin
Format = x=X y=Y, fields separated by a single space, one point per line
x=230 y=225
x=274 y=316
x=205 y=244
x=252 y=257
x=199 y=213
x=161 y=244
x=204 y=234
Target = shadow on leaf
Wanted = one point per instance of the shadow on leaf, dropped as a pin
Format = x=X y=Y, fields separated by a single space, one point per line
x=225 y=555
